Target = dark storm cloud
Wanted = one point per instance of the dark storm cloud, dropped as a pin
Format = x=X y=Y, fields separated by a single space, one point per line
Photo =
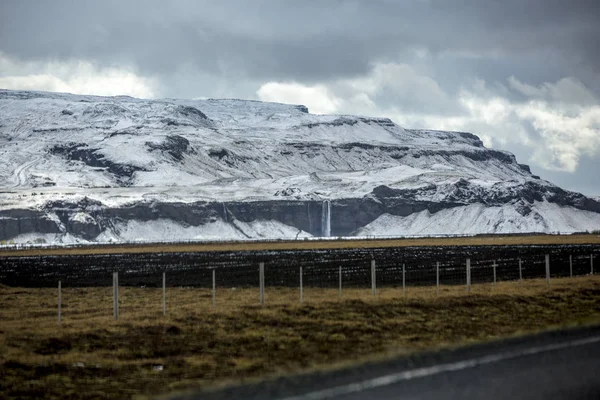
x=309 y=40
x=264 y=40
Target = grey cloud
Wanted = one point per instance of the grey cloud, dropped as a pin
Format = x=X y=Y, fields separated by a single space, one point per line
x=418 y=95
x=567 y=90
x=310 y=40
x=587 y=181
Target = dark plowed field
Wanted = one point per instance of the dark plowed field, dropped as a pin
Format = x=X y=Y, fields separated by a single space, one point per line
x=321 y=268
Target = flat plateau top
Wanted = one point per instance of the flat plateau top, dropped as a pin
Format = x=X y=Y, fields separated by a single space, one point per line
x=512 y=240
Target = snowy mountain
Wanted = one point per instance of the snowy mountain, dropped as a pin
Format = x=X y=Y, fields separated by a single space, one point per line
x=89 y=168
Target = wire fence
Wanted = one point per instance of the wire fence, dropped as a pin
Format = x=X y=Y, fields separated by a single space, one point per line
x=413 y=266
x=341 y=268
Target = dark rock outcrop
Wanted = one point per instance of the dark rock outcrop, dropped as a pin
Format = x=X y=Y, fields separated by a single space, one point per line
x=122 y=173
x=347 y=215
x=174 y=145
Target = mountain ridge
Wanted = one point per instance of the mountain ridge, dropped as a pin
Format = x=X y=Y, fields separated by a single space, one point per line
x=93 y=168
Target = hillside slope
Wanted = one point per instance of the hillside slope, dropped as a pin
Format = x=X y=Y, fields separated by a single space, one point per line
x=89 y=168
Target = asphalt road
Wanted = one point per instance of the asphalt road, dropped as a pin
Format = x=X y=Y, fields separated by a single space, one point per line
x=554 y=365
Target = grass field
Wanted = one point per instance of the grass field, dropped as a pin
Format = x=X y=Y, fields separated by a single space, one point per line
x=310 y=245
x=196 y=346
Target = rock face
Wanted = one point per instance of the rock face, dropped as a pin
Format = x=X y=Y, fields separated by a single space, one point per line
x=87 y=168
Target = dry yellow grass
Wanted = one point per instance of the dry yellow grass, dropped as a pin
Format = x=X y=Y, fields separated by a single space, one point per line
x=91 y=355
x=312 y=245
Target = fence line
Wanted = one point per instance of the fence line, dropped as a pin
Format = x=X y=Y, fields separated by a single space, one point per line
x=324 y=268
x=373 y=279
x=539 y=266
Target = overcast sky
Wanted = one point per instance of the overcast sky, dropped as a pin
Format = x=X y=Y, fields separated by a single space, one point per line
x=524 y=75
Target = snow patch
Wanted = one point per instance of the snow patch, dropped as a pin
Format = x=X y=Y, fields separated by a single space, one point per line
x=168 y=230
x=478 y=219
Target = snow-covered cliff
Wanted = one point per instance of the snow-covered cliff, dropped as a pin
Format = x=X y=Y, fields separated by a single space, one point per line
x=88 y=168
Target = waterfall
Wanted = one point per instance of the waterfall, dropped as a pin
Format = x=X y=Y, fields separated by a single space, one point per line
x=326 y=219
x=224 y=212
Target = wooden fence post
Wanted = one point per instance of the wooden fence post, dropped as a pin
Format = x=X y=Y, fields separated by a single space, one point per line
x=548 y=269
x=261 y=277
x=59 y=302
x=571 y=265
x=468 y=274
x=373 y=279
x=404 y=280
x=115 y=295
x=340 y=279
x=164 y=294
x=437 y=278
x=301 y=289
x=520 y=271
x=214 y=289
x=118 y=311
